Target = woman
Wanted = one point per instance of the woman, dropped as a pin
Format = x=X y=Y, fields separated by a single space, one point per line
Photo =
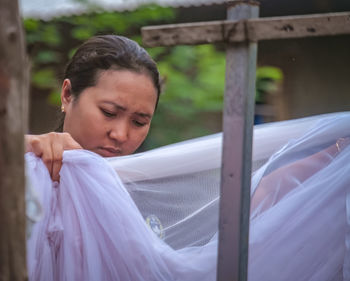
x=92 y=229
x=109 y=94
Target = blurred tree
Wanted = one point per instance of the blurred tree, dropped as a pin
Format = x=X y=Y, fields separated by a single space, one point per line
x=13 y=119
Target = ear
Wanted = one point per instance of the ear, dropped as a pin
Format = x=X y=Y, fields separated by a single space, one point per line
x=66 y=93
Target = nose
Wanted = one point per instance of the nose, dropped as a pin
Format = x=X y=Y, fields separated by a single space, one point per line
x=119 y=132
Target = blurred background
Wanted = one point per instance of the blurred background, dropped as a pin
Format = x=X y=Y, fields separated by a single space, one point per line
x=295 y=78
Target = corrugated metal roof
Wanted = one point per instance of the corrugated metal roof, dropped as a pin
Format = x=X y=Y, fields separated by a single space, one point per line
x=48 y=9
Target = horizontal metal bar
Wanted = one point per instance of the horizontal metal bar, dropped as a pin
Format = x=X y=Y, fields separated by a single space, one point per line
x=299 y=26
x=247 y=30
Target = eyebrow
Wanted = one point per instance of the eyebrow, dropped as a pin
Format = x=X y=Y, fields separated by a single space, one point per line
x=122 y=108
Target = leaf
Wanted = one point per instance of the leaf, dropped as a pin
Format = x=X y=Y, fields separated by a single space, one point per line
x=50 y=35
x=82 y=33
x=47 y=56
x=44 y=78
x=30 y=24
x=54 y=98
x=269 y=72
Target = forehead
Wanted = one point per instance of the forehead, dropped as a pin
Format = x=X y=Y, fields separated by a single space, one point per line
x=124 y=86
x=123 y=76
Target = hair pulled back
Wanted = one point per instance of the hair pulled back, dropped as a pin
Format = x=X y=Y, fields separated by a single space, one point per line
x=106 y=52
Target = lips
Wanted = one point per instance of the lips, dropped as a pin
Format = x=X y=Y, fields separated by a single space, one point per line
x=109 y=151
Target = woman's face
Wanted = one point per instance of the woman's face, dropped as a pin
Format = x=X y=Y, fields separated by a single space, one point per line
x=113 y=117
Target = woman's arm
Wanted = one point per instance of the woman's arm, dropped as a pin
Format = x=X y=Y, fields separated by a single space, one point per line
x=50 y=148
x=278 y=183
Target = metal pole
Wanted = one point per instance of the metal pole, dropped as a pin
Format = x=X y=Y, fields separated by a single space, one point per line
x=237 y=151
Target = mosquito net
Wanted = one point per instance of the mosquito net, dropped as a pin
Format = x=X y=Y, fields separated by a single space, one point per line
x=177 y=187
x=92 y=229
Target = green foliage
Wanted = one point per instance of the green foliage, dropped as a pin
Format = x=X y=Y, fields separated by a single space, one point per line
x=30 y=25
x=194 y=79
x=47 y=57
x=271 y=72
x=54 y=98
x=44 y=78
x=267 y=78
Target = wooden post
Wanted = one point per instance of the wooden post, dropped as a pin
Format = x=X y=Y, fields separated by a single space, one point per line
x=13 y=111
x=238 y=116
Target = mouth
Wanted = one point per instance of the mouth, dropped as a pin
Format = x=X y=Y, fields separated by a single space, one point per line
x=109 y=151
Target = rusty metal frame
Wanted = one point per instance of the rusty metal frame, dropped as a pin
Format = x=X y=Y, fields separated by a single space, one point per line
x=241 y=31
x=253 y=30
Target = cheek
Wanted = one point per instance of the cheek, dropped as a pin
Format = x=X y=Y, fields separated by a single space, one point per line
x=139 y=137
x=93 y=127
x=95 y=119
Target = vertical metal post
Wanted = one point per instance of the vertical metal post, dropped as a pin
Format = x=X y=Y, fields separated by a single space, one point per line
x=237 y=151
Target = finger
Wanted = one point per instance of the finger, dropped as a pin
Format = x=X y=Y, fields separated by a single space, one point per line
x=40 y=148
x=57 y=151
x=36 y=147
x=56 y=168
x=47 y=159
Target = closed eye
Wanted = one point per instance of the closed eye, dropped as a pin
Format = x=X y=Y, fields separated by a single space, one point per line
x=139 y=124
x=108 y=113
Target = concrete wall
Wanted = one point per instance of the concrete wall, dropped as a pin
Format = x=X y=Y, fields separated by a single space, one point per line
x=316 y=74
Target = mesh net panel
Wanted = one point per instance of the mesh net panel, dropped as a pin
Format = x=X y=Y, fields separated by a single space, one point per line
x=177 y=187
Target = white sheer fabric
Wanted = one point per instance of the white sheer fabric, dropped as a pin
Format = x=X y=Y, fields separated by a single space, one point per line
x=93 y=230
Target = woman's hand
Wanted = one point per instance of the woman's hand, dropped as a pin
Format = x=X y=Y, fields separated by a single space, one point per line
x=49 y=147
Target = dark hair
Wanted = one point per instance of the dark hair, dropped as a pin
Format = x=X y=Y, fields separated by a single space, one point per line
x=105 y=52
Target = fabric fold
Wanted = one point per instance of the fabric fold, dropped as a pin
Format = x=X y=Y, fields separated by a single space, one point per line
x=95 y=223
